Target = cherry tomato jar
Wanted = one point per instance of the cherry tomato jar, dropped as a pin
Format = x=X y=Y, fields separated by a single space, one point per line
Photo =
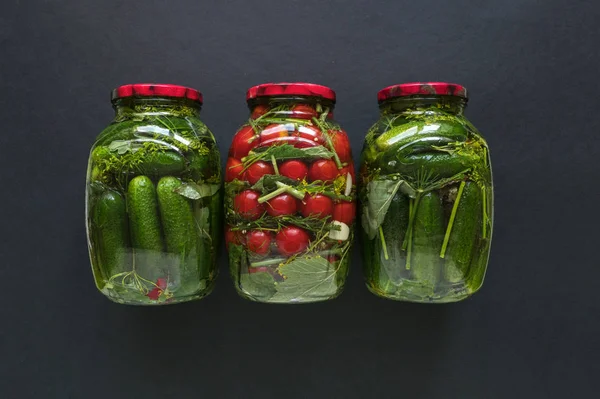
x=426 y=196
x=153 y=198
x=290 y=197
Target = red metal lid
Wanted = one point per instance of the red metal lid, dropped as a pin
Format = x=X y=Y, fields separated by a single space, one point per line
x=156 y=90
x=293 y=89
x=420 y=88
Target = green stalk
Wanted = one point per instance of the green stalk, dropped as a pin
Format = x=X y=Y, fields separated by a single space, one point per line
x=412 y=211
x=272 y=195
x=276 y=261
x=329 y=143
x=286 y=120
x=451 y=221
x=381 y=236
x=274 y=162
x=291 y=190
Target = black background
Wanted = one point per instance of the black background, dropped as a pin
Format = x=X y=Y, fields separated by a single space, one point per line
x=531 y=68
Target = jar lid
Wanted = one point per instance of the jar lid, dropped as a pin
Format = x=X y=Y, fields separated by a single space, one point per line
x=290 y=89
x=420 y=88
x=156 y=90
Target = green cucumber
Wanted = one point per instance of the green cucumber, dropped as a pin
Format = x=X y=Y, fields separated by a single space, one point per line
x=177 y=217
x=161 y=163
x=109 y=228
x=394 y=228
x=181 y=234
x=200 y=166
x=142 y=207
x=479 y=265
x=441 y=165
x=463 y=235
x=428 y=235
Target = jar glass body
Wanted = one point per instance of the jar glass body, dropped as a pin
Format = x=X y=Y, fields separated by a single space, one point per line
x=426 y=201
x=153 y=203
x=289 y=202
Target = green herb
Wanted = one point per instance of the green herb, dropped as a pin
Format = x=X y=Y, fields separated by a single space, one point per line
x=306 y=277
x=260 y=285
x=268 y=183
x=380 y=194
x=196 y=191
x=286 y=151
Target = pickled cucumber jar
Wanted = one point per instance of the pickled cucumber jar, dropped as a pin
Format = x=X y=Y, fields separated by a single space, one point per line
x=289 y=197
x=426 y=196
x=153 y=196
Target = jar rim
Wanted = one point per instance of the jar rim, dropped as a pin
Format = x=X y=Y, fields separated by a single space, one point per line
x=156 y=90
x=422 y=88
x=290 y=89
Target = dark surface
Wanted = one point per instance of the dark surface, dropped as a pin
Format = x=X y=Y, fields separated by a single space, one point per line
x=532 y=70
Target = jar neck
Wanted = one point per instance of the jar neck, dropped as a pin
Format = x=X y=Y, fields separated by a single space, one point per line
x=130 y=107
x=284 y=106
x=419 y=104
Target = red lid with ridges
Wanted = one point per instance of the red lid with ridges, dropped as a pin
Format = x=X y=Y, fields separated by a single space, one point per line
x=156 y=90
x=422 y=88
x=290 y=89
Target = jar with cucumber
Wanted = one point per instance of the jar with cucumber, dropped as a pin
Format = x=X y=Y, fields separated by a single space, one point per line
x=290 y=197
x=153 y=198
x=426 y=196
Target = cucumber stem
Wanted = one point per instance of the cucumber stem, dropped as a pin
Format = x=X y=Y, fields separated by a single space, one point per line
x=272 y=195
x=451 y=221
x=383 y=245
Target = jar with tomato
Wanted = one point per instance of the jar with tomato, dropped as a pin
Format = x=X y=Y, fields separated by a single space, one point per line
x=290 y=197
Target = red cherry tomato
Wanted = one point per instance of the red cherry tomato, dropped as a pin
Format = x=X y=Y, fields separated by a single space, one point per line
x=259 y=110
x=233 y=169
x=257 y=170
x=349 y=168
x=341 y=144
x=294 y=169
x=258 y=241
x=292 y=240
x=243 y=141
x=274 y=131
x=283 y=204
x=316 y=205
x=232 y=237
x=330 y=115
x=311 y=133
x=333 y=258
x=303 y=111
x=247 y=205
x=323 y=169
x=344 y=212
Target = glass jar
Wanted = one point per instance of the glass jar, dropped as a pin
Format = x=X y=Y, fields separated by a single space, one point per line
x=290 y=197
x=153 y=198
x=426 y=196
